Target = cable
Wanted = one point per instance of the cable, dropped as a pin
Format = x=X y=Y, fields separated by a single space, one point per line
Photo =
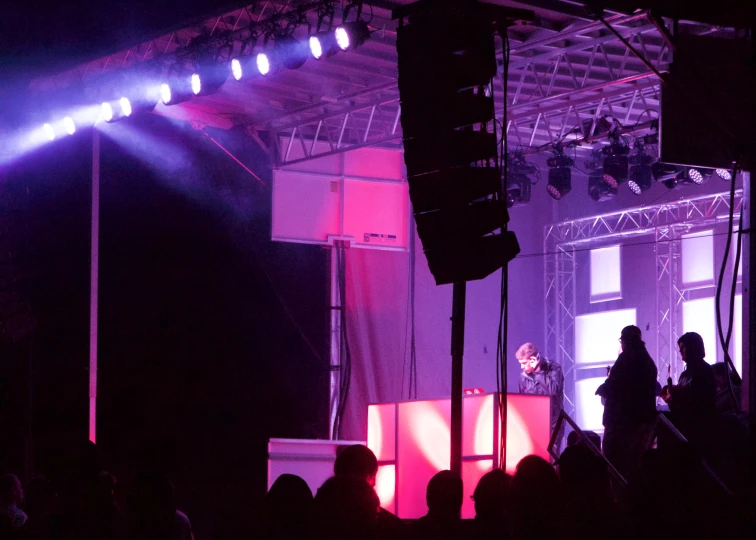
x=725 y=342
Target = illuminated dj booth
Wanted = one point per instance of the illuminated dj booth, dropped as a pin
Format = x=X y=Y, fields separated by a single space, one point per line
x=411 y=441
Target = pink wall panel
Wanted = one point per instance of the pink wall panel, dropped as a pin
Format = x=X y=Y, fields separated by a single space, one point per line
x=374 y=163
x=376 y=213
x=382 y=431
x=423 y=438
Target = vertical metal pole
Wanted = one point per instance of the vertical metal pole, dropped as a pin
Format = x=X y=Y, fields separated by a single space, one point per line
x=457 y=352
x=749 y=305
x=93 y=285
x=335 y=364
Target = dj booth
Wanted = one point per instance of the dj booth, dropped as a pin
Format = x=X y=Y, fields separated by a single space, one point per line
x=411 y=440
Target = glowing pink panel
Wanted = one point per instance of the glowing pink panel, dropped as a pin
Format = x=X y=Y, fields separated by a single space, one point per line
x=385 y=486
x=422 y=451
x=528 y=428
x=376 y=214
x=472 y=471
x=382 y=431
x=477 y=425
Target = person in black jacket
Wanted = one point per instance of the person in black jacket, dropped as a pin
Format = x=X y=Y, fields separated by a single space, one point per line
x=693 y=398
x=541 y=377
x=630 y=402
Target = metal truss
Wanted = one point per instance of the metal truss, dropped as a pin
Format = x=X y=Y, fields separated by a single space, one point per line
x=667 y=223
x=375 y=123
x=232 y=24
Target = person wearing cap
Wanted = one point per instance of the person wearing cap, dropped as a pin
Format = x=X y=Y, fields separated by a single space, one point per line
x=541 y=377
x=630 y=402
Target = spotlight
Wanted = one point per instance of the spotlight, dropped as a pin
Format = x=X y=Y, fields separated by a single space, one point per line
x=641 y=175
x=694 y=176
x=598 y=189
x=236 y=69
x=323 y=45
x=560 y=175
x=518 y=180
x=351 y=35
x=178 y=87
x=615 y=163
x=208 y=77
x=263 y=63
x=724 y=174
x=69 y=125
x=49 y=132
x=116 y=110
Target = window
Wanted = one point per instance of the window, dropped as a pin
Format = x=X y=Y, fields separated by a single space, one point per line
x=605 y=274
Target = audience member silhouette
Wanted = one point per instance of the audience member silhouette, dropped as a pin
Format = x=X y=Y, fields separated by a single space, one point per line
x=630 y=402
x=285 y=510
x=589 y=511
x=444 y=499
x=359 y=462
x=41 y=507
x=728 y=390
x=535 y=499
x=573 y=438
x=152 y=512
x=12 y=517
x=491 y=498
x=346 y=508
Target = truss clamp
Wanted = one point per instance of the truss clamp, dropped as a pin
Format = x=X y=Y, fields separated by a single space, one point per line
x=340 y=241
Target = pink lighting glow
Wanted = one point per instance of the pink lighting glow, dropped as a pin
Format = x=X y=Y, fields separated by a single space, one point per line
x=385 y=486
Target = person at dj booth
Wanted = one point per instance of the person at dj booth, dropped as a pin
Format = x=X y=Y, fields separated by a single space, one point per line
x=541 y=377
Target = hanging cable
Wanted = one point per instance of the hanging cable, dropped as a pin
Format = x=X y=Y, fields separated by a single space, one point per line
x=725 y=342
x=345 y=353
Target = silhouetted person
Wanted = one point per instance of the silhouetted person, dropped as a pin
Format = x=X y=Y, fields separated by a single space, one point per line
x=108 y=519
x=359 y=462
x=589 y=509
x=727 y=398
x=541 y=377
x=693 y=399
x=12 y=517
x=573 y=438
x=346 y=508
x=535 y=497
x=285 y=511
x=444 y=498
x=630 y=402
x=41 y=507
x=152 y=512
x=491 y=498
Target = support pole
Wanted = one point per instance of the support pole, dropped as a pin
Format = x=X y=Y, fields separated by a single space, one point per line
x=93 y=285
x=457 y=352
x=335 y=363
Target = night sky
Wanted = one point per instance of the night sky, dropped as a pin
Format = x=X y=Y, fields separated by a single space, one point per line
x=199 y=361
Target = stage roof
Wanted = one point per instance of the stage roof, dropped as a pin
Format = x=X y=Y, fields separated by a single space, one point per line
x=566 y=70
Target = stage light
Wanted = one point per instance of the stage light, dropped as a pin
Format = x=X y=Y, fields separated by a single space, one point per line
x=694 y=176
x=641 y=176
x=49 y=132
x=560 y=175
x=116 y=110
x=263 y=63
x=178 y=87
x=209 y=75
x=236 y=69
x=616 y=163
x=323 y=44
x=69 y=125
x=125 y=104
x=669 y=175
x=599 y=189
x=724 y=174
x=518 y=181
x=351 y=35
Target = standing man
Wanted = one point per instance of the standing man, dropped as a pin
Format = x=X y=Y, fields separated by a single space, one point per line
x=693 y=398
x=630 y=402
x=541 y=377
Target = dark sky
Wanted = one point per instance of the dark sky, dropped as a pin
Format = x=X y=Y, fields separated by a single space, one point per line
x=36 y=35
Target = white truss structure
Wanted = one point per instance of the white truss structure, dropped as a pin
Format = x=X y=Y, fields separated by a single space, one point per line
x=667 y=223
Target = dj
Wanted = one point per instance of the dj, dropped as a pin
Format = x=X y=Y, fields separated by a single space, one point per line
x=541 y=377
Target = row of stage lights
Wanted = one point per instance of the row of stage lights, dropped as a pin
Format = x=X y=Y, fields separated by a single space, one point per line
x=609 y=167
x=280 y=50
